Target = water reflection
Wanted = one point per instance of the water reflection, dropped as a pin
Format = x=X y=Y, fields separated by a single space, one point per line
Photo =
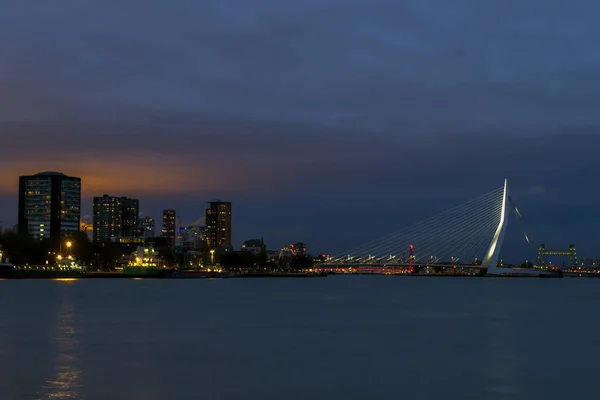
x=502 y=356
x=65 y=381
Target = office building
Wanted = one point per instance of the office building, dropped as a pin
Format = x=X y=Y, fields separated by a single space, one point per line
x=218 y=224
x=49 y=205
x=254 y=246
x=115 y=217
x=147 y=227
x=169 y=227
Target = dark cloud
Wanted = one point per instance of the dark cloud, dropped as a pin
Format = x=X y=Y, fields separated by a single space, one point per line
x=306 y=111
x=422 y=65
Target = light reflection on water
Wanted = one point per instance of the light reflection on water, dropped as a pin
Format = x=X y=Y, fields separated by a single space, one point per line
x=335 y=338
x=502 y=365
x=65 y=380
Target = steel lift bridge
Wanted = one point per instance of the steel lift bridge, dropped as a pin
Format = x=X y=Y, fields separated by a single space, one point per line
x=543 y=253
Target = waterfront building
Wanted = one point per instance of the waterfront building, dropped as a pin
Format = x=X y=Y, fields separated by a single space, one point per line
x=131 y=216
x=115 y=217
x=128 y=244
x=274 y=254
x=590 y=262
x=254 y=246
x=298 y=249
x=49 y=205
x=218 y=224
x=169 y=226
x=147 y=227
x=192 y=237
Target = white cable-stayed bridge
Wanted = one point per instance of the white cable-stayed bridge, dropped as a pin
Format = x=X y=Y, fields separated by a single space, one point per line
x=467 y=236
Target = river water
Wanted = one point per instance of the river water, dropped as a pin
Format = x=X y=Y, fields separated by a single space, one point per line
x=340 y=337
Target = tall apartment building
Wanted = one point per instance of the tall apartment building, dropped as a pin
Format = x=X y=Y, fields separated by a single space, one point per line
x=115 y=217
x=218 y=224
x=49 y=204
x=169 y=226
x=131 y=216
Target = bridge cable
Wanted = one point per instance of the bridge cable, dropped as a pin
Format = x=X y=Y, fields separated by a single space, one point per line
x=446 y=217
x=520 y=219
x=461 y=233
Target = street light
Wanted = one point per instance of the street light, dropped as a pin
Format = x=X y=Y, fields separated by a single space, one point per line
x=69 y=244
x=212 y=256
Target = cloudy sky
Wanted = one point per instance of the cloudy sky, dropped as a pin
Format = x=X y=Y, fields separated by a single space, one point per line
x=329 y=122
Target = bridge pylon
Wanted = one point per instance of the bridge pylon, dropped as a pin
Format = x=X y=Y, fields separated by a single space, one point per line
x=492 y=256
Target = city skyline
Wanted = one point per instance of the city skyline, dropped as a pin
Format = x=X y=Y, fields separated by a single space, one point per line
x=270 y=199
x=413 y=108
x=513 y=233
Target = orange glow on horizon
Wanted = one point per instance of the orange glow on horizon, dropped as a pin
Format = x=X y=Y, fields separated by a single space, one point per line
x=129 y=175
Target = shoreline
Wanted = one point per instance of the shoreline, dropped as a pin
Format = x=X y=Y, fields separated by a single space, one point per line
x=208 y=275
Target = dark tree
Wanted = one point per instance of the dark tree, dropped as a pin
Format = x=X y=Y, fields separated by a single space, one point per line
x=235 y=260
x=21 y=248
x=166 y=253
x=301 y=262
x=106 y=255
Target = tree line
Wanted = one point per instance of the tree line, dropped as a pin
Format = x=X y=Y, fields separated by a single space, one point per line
x=22 y=248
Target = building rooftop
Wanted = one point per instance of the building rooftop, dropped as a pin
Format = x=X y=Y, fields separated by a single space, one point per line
x=50 y=173
x=253 y=243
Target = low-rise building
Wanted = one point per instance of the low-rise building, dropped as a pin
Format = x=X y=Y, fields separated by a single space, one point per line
x=192 y=237
x=298 y=249
x=147 y=227
x=255 y=246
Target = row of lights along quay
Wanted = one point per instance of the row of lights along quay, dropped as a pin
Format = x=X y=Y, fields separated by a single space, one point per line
x=51 y=240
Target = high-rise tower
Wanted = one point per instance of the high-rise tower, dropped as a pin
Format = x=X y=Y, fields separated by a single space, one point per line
x=218 y=224
x=49 y=204
x=115 y=217
x=169 y=226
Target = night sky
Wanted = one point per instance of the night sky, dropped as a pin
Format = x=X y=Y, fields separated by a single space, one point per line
x=329 y=122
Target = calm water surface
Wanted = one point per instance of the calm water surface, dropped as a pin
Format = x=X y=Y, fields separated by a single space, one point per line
x=343 y=337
